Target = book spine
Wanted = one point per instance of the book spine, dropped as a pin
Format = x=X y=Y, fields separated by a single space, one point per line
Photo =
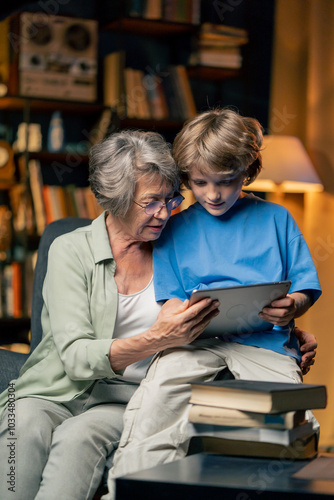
x=17 y=289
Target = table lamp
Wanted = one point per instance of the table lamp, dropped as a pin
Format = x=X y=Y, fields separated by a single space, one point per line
x=287 y=167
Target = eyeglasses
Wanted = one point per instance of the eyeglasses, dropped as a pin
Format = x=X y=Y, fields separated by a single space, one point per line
x=156 y=206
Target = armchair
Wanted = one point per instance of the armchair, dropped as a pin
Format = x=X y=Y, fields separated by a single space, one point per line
x=11 y=362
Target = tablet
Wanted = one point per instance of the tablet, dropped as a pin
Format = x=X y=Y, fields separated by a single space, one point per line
x=240 y=306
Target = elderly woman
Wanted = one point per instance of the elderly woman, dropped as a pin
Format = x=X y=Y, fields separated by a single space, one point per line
x=101 y=326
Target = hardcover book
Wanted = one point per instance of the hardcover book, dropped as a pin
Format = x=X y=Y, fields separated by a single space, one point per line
x=261 y=397
x=301 y=449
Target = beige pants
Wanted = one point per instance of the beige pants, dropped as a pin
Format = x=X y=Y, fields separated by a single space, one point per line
x=156 y=428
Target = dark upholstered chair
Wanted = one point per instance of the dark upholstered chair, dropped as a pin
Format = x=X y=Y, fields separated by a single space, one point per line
x=11 y=362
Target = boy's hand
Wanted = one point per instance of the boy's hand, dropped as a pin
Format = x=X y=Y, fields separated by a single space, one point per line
x=280 y=312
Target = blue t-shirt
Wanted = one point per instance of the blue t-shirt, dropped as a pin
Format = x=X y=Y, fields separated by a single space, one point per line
x=254 y=242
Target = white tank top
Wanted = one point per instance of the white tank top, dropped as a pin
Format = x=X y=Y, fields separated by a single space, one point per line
x=136 y=313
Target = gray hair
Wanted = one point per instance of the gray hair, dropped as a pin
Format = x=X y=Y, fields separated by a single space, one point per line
x=118 y=162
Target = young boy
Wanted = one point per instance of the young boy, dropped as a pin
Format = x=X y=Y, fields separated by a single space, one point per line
x=227 y=238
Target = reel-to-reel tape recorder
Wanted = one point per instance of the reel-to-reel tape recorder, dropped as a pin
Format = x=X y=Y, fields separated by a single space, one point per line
x=56 y=57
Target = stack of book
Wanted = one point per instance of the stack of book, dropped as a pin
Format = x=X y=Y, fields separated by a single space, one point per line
x=251 y=418
x=219 y=46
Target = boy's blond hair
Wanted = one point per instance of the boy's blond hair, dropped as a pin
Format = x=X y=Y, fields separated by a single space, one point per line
x=220 y=140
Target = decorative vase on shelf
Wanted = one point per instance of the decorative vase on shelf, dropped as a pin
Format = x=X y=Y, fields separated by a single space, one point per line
x=56 y=136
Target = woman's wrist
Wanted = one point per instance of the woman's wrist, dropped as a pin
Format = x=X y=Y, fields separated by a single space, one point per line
x=124 y=352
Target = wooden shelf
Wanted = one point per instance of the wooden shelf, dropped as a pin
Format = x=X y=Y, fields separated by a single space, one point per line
x=17 y=103
x=148 y=27
x=212 y=73
x=62 y=156
x=150 y=124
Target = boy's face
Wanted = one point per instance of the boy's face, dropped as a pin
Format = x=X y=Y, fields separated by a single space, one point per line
x=216 y=192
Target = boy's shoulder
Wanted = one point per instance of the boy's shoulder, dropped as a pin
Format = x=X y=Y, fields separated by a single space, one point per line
x=255 y=201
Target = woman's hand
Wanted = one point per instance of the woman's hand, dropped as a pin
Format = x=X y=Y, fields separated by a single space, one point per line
x=177 y=324
x=180 y=324
x=308 y=346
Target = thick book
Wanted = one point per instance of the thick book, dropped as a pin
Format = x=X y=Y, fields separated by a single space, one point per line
x=301 y=449
x=258 y=434
x=36 y=186
x=261 y=397
x=113 y=82
x=216 y=415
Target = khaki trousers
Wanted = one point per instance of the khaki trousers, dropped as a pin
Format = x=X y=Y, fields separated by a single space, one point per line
x=156 y=428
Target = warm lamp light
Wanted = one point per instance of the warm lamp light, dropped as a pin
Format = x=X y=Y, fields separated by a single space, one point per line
x=286 y=167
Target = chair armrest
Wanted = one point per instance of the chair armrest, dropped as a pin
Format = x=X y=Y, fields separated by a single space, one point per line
x=10 y=366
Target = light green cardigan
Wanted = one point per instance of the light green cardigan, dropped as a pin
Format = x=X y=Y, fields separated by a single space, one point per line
x=78 y=318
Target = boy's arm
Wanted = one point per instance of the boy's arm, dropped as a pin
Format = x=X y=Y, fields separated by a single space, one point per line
x=293 y=306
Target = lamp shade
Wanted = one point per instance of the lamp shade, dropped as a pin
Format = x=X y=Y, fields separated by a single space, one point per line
x=286 y=166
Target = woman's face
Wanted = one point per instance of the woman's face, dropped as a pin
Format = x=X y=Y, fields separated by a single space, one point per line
x=138 y=224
